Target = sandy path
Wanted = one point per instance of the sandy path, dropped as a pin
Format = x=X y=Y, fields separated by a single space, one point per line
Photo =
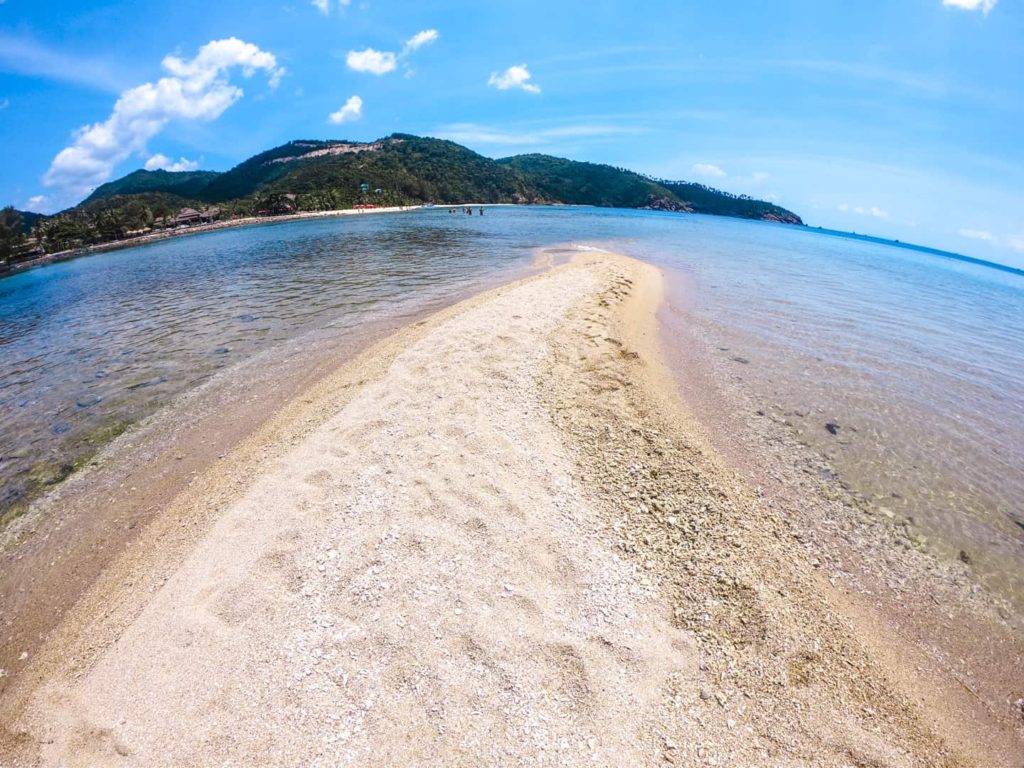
x=418 y=581
x=502 y=548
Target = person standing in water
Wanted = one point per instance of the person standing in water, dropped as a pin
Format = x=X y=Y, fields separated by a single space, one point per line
x=481 y=210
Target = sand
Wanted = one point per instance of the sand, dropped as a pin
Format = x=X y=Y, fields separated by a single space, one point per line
x=495 y=538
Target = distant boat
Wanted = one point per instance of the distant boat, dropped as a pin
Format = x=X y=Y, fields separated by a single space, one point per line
x=427 y=205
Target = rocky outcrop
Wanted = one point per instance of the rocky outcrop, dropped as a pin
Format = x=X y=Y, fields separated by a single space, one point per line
x=783 y=218
x=655 y=203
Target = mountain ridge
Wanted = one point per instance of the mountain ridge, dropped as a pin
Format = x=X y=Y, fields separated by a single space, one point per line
x=293 y=167
x=401 y=169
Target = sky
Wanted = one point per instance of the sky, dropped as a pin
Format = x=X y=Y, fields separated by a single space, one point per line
x=898 y=118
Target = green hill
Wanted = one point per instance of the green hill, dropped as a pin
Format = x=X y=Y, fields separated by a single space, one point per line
x=577 y=183
x=408 y=167
x=327 y=174
x=401 y=169
x=703 y=199
x=29 y=220
x=186 y=184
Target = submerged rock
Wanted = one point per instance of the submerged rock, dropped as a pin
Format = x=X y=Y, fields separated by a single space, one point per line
x=147 y=383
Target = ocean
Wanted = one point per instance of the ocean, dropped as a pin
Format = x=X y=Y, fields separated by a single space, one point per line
x=903 y=369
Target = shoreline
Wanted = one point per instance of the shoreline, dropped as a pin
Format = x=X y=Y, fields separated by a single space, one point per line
x=247 y=221
x=51 y=554
x=931 y=614
x=724 y=605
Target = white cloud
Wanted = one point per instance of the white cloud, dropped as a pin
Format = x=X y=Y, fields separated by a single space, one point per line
x=517 y=76
x=759 y=177
x=471 y=133
x=25 y=56
x=971 y=5
x=352 y=110
x=40 y=204
x=978 y=234
x=4 y=103
x=1016 y=243
x=163 y=163
x=197 y=89
x=324 y=6
x=381 y=62
x=420 y=39
x=860 y=210
x=709 y=171
x=374 y=62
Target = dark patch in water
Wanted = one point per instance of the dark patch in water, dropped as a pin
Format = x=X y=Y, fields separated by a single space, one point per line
x=147 y=383
x=741 y=360
x=832 y=427
x=61 y=427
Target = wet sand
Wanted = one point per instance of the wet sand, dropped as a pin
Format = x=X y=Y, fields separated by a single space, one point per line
x=499 y=537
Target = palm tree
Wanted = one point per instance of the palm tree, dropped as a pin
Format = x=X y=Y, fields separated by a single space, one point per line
x=12 y=233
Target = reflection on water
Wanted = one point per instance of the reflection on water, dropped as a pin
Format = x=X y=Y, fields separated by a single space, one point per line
x=906 y=369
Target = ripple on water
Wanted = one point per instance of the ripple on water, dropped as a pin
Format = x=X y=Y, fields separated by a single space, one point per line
x=119 y=335
x=916 y=360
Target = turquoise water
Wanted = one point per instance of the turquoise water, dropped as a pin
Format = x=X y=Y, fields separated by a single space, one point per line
x=916 y=360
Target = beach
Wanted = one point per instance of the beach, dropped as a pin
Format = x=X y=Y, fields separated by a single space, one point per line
x=500 y=536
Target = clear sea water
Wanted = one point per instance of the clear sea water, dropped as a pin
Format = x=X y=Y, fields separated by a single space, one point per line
x=917 y=360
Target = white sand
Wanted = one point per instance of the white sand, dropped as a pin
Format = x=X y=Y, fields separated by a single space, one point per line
x=419 y=580
x=465 y=563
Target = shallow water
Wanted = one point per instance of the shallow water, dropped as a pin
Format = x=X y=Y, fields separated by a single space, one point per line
x=904 y=369
x=92 y=345
x=916 y=361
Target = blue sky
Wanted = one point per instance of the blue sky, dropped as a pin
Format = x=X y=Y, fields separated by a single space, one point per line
x=899 y=118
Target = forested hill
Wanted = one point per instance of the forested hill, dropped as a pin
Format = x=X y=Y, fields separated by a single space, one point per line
x=398 y=170
x=183 y=183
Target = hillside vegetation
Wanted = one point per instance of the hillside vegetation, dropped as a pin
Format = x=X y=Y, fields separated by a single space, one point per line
x=329 y=175
x=181 y=183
